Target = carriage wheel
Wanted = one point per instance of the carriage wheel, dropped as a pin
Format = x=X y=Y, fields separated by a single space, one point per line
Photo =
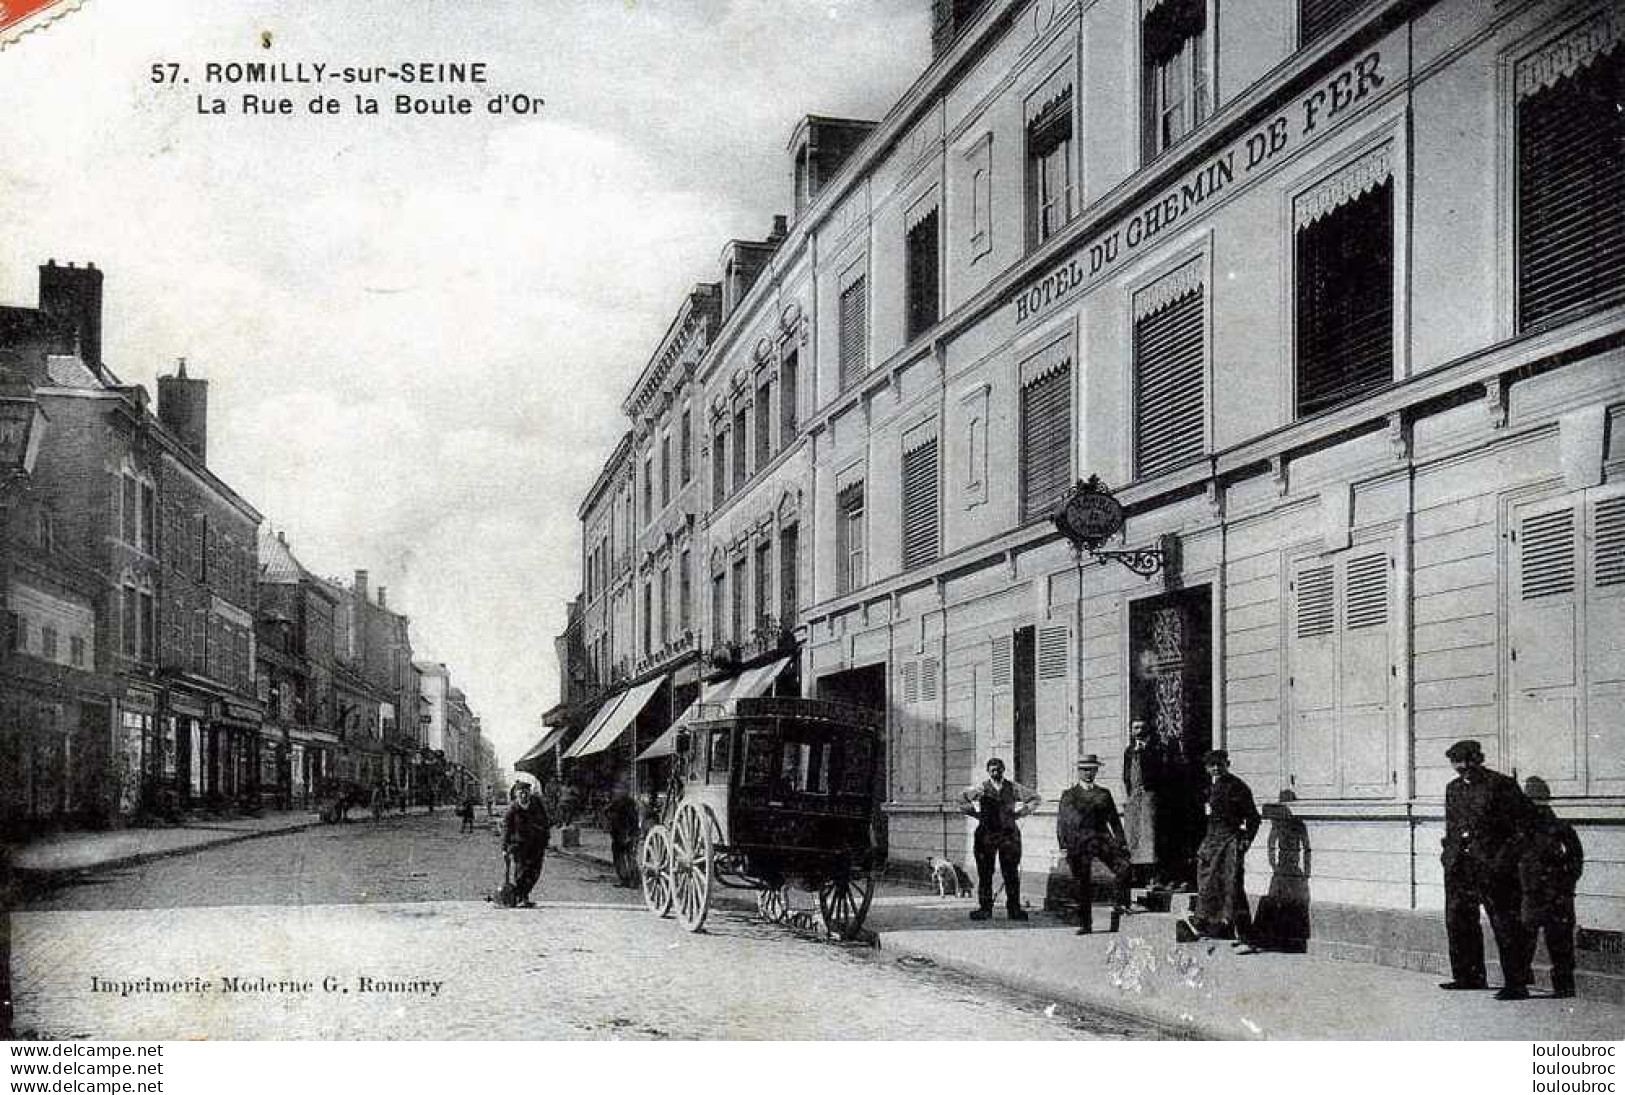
x=655 y=867
x=773 y=904
x=843 y=902
x=691 y=863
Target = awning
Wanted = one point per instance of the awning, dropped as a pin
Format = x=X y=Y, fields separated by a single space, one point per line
x=606 y=729
x=541 y=748
x=748 y=685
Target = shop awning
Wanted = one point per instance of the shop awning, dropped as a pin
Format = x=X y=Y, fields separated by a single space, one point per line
x=539 y=751
x=748 y=685
x=606 y=729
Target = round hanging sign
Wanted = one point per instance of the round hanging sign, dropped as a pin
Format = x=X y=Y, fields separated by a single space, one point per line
x=1089 y=513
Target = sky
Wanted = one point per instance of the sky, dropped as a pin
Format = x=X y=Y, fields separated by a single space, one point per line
x=418 y=332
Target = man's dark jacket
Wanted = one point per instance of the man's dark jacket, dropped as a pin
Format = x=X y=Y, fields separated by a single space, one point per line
x=1483 y=818
x=526 y=828
x=1086 y=816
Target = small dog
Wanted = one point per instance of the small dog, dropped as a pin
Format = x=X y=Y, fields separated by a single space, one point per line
x=950 y=879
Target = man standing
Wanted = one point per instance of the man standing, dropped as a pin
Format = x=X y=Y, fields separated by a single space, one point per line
x=1088 y=828
x=1142 y=781
x=1484 y=813
x=525 y=833
x=1232 y=823
x=997 y=804
x=621 y=816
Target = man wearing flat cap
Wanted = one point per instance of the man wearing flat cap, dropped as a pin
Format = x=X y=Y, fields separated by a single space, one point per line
x=1089 y=828
x=1232 y=823
x=997 y=804
x=1485 y=813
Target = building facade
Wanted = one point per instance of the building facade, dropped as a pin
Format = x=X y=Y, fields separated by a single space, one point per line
x=1331 y=295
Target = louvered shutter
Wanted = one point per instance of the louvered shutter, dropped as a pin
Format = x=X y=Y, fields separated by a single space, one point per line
x=1003 y=662
x=1544 y=715
x=921 y=245
x=1316 y=17
x=1046 y=440
x=854 y=320
x=911 y=682
x=1571 y=191
x=1312 y=681
x=1345 y=300
x=921 y=527
x=1605 y=652
x=848 y=537
x=1169 y=386
x=1365 y=676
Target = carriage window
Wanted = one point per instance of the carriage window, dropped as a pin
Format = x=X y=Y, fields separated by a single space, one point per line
x=720 y=750
x=761 y=751
x=805 y=767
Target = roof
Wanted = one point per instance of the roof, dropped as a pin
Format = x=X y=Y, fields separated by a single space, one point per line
x=277 y=564
x=68 y=371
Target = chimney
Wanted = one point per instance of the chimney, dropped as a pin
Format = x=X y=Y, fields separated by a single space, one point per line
x=383 y=601
x=948 y=19
x=781 y=228
x=73 y=295
x=183 y=408
x=360 y=585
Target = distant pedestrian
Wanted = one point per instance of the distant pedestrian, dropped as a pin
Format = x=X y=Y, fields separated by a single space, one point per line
x=377 y=801
x=401 y=797
x=621 y=818
x=1089 y=828
x=466 y=812
x=1232 y=823
x=997 y=804
x=526 y=830
x=1484 y=813
x=1550 y=863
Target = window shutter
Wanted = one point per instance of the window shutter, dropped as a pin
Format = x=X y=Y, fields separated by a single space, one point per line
x=1312 y=664
x=921 y=527
x=1367 y=592
x=1046 y=440
x=1052 y=660
x=1169 y=396
x=1345 y=286
x=1608 y=543
x=1571 y=191
x=1546 y=563
x=1316 y=602
x=1003 y=662
x=911 y=682
x=1605 y=654
x=921 y=247
x=930 y=668
x=854 y=321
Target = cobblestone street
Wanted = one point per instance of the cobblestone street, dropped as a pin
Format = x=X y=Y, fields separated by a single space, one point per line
x=344 y=910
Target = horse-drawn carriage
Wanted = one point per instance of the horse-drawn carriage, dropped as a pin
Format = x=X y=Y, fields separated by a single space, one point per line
x=765 y=793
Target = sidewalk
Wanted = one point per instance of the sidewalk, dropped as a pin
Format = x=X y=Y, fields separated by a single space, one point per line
x=66 y=853
x=1202 y=989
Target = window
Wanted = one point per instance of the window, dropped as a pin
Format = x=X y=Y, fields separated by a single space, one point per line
x=1046 y=430
x=47 y=639
x=685 y=439
x=648 y=618
x=1341 y=674
x=1178 y=95
x=1345 y=285
x=648 y=489
x=132 y=629
x=920 y=257
x=1565 y=570
x=741 y=596
x=149 y=538
x=849 y=538
x=1170 y=378
x=1571 y=191
x=764 y=424
x=149 y=626
x=787 y=577
x=131 y=505
x=1316 y=17
x=921 y=527
x=665 y=470
x=854 y=331
x=1051 y=191
x=76 y=647
x=764 y=582
x=685 y=592
x=719 y=468
x=719 y=605
x=739 y=450
x=787 y=399
x=665 y=605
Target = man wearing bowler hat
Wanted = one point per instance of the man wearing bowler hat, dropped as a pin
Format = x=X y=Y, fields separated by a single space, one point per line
x=997 y=804
x=1485 y=813
x=1089 y=828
